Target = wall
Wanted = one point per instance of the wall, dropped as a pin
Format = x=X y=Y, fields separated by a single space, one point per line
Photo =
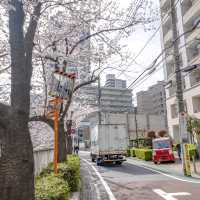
x=41 y=159
x=144 y=122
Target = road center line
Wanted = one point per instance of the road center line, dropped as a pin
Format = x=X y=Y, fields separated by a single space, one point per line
x=107 y=188
x=170 y=196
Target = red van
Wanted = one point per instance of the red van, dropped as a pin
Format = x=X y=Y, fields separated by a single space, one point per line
x=162 y=150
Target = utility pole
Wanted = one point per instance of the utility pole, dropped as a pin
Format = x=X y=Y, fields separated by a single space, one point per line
x=179 y=89
x=136 y=125
x=99 y=95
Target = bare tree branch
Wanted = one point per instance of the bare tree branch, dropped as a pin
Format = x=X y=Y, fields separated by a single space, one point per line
x=103 y=31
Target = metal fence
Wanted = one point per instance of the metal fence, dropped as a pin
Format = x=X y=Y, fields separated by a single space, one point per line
x=41 y=159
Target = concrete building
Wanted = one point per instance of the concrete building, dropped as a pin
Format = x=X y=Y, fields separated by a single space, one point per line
x=111 y=99
x=152 y=101
x=111 y=81
x=188 y=13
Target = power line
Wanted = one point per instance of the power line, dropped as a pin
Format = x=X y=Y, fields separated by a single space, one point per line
x=155 y=67
x=148 y=41
x=164 y=50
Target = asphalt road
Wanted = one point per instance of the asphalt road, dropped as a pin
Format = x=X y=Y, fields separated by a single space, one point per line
x=131 y=182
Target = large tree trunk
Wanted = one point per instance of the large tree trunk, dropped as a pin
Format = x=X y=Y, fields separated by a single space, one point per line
x=62 y=148
x=69 y=138
x=16 y=162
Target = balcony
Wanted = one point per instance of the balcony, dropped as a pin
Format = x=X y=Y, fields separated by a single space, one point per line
x=196 y=104
x=195 y=77
x=166 y=23
x=191 y=14
x=168 y=37
x=174 y=111
x=172 y=91
x=165 y=5
x=195 y=60
x=193 y=52
x=195 y=35
x=169 y=59
x=170 y=70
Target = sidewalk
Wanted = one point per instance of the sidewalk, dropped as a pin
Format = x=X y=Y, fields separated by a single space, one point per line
x=169 y=168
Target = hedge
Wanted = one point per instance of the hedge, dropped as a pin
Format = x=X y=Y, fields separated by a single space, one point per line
x=72 y=174
x=128 y=153
x=192 y=150
x=132 y=152
x=144 y=154
x=68 y=173
x=51 y=187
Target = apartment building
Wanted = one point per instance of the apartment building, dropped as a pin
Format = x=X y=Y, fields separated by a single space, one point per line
x=187 y=15
x=111 y=81
x=152 y=101
x=111 y=100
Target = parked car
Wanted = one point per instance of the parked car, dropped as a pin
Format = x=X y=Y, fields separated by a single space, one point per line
x=162 y=150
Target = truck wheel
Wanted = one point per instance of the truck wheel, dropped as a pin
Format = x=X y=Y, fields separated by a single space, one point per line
x=98 y=162
x=118 y=162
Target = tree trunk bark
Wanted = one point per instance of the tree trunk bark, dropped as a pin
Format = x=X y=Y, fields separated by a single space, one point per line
x=69 y=138
x=16 y=163
x=62 y=147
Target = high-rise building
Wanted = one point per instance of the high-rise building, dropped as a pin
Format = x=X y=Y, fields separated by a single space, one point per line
x=111 y=81
x=187 y=15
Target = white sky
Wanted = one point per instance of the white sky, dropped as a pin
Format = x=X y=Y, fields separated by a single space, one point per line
x=135 y=43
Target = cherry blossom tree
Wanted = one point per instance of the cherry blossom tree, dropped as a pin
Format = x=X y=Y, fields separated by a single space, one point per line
x=36 y=34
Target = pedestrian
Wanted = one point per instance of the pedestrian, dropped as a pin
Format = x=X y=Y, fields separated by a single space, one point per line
x=178 y=147
x=76 y=149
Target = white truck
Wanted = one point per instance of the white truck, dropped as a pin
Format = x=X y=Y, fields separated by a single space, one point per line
x=109 y=143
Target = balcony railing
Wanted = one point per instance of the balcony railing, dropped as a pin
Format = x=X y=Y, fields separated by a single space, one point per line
x=192 y=13
x=195 y=60
x=194 y=35
x=165 y=5
x=195 y=77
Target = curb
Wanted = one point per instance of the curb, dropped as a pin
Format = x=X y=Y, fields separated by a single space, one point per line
x=75 y=196
x=163 y=170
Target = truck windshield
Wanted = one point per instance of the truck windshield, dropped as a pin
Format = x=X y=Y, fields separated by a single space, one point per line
x=161 y=144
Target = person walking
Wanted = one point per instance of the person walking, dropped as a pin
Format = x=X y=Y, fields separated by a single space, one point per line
x=76 y=149
x=178 y=147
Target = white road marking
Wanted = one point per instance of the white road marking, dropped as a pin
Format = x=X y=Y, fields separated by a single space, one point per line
x=170 y=196
x=173 y=177
x=110 y=194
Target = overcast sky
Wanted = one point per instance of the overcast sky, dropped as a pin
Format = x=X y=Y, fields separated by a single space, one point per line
x=135 y=43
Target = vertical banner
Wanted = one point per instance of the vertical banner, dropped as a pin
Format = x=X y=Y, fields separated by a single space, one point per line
x=187 y=160
x=183 y=127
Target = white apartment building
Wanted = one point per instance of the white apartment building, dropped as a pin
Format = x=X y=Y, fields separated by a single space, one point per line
x=111 y=81
x=188 y=13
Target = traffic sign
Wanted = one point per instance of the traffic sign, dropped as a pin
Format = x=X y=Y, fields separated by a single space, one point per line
x=61 y=84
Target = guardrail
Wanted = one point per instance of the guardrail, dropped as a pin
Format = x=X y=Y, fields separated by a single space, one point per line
x=42 y=157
